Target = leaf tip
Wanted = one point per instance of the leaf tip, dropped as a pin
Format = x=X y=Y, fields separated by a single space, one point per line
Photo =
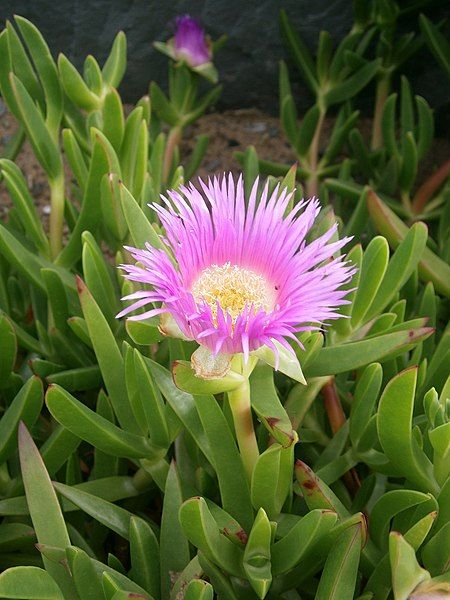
x=81 y=286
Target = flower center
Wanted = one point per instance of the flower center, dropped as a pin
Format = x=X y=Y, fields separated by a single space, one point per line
x=233 y=288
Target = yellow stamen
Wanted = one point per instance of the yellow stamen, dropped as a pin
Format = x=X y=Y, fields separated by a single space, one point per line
x=233 y=288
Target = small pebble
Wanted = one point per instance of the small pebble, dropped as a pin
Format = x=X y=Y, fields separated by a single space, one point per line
x=256 y=127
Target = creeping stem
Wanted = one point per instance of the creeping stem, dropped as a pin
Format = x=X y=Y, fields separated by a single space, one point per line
x=239 y=400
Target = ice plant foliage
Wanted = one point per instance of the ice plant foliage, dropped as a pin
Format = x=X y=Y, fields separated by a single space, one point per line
x=190 y=42
x=219 y=464
x=245 y=275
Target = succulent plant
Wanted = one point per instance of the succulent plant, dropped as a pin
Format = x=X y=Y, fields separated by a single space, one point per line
x=137 y=459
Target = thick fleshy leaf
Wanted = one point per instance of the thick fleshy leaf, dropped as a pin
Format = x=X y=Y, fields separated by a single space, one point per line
x=183 y=406
x=174 y=546
x=144 y=333
x=87 y=582
x=300 y=52
x=75 y=86
x=109 y=357
x=152 y=406
x=88 y=425
x=144 y=552
x=394 y=424
x=202 y=531
x=257 y=565
x=364 y=400
x=233 y=483
x=103 y=160
x=115 y=65
x=374 y=264
x=40 y=138
x=406 y=571
x=23 y=202
x=338 y=579
x=197 y=589
x=99 y=278
x=45 y=511
x=25 y=408
x=114 y=517
x=301 y=538
x=389 y=505
x=32 y=583
x=266 y=404
x=8 y=344
x=353 y=355
x=272 y=479
x=437 y=43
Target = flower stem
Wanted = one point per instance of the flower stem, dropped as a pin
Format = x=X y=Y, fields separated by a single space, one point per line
x=56 y=214
x=173 y=139
x=239 y=400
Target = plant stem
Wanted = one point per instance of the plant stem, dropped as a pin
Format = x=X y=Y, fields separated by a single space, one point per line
x=313 y=179
x=336 y=417
x=173 y=139
x=239 y=400
x=56 y=214
x=429 y=187
x=333 y=406
x=383 y=86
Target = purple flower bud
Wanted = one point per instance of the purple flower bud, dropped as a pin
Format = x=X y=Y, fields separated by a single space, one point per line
x=190 y=42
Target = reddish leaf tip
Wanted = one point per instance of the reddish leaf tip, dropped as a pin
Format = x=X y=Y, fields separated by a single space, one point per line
x=81 y=286
x=242 y=536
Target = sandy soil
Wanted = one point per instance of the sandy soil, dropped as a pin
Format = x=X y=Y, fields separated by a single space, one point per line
x=229 y=132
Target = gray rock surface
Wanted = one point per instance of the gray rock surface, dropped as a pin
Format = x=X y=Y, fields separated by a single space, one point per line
x=248 y=63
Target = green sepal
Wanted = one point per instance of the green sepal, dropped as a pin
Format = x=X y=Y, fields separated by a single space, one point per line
x=185 y=379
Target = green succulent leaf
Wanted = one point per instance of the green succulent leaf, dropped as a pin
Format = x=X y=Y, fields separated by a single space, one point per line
x=272 y=479
x=256 y=561
x=394 y=424
x=45 y=511
x=406 y=571
x=266 y=404
x=32 y=583
x=85 y=423
x=339 y=575
x=174 y=546
x=301 y=539
x=201 y=529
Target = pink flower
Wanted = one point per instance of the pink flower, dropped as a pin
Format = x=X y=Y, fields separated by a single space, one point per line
x=244 y=276
x=190 y=43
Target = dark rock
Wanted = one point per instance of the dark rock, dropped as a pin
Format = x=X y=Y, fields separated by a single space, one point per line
x=248 y=63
